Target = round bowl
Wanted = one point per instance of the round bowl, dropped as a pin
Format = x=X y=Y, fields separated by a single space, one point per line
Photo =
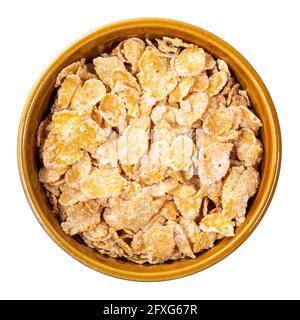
x=90 y=46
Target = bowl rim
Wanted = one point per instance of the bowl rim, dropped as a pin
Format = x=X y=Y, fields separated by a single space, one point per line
x=159 y=275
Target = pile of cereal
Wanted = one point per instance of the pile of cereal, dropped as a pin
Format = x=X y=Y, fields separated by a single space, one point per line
x=150 y=152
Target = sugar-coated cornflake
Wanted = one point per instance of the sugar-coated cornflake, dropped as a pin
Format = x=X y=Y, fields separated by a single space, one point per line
x=239 y=186
x=112 y=109
x=66 y=91
x=201 y=83
x=210 y=62
x=103 y=183
x=155 y=75
x=169 y=211
x=146 y=102
x=249 y=148
x=130 y=190
x=137 y=243
x=70 y=69
x=203 y=241
x=98 y=233
x=157 y=151
x=219 y=223
x=42 y=132
x=248 y=119
x=160 y=53
x=190 y=62
x=188 y=171
x=216 y=83
x=77 y=129
x=132 y=214
x=79 y=170
x=87 y=96
x=204 y=208
x=150 y=151
x=86 y=72
x=181 y=90
x=172 y=45
x=161 y=188
x=188 y=201
x=162 y=135
x=58 y=155
x=219 y=122
x=190 y=228
x=125 y=78
x=157 y=114
x=70 y=196
x=214 y=192
x=178 y=155
x=104 y=66
x=143 y=123
x=54 y=188
x=150 y=173
x=133 y=49
x=213 y=161
x=166 y=47
x=127 y=170
x=82 y=217
x=50 y=175
x=159 y=243
x=107 y=153
x=108 y=247
x=96 y=116
x=132 y=145
x=122 y=244
x=192 y=108
x=229 y=136
x=237 y=97
x=181 y=240
x=223 y=66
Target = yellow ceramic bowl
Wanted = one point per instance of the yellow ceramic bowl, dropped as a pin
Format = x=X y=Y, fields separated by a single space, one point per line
x=91 y=45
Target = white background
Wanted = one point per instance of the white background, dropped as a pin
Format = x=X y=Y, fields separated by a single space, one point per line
x=267 y=265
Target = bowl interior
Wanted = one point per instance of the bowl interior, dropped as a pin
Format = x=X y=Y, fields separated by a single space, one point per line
x=91 y=46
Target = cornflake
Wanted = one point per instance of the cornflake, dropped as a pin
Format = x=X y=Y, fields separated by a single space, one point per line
x=98 y=233
x=182 y=89
x=203 y=241
x=182 y=241
x=239 y=186
x=70 y=196
x=132 y=50
x=190 y=62
x=132 y=214
x=87 y=96
x=201 y=83
x=49 y=175
x=132 y=145
x=188 y=201
x=66 y=91
x=103 y=183
x=219 y=223
x=217 y=82
x=249 y=148
x=213 y=161
x=81 y=217
x=179 y=154
x=159 y=243
x=111 y=109
x=155 y=75
x=79 y=170
x=150 y=151
x=104 y=67
x=192 y=108
x=219 y=122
